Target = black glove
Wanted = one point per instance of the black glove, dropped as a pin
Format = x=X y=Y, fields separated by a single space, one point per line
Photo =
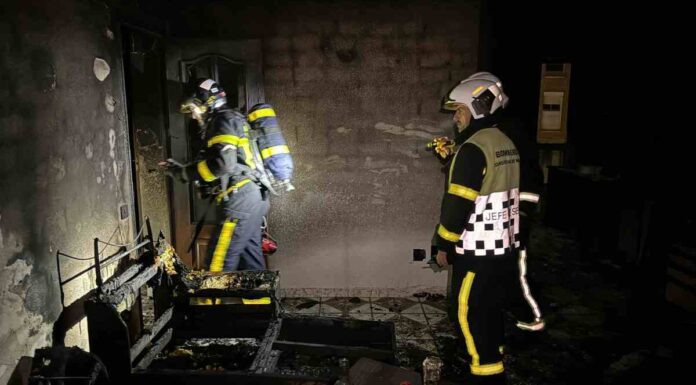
x=176 y=170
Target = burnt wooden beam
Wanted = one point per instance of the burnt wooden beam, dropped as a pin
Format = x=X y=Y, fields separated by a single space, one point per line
x=187 y=377
x=333 y=350
x=108 y=338
x=266 y=358
x=131 y=287
x=143 y=341
x=117 y=280
x=156 y=349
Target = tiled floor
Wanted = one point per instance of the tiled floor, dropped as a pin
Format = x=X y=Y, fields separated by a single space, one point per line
x=591 y=336
x=421 y=324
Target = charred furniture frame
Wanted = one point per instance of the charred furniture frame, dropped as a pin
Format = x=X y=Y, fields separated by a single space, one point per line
x=117 y=336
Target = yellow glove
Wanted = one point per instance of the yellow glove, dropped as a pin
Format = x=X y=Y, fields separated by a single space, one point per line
x=443 y=146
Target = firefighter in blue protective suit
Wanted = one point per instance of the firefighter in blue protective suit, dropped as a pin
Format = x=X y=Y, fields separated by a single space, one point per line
x=229 y=170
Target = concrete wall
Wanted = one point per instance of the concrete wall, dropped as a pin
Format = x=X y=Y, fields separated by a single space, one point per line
x=357 y=87
x=64 y=162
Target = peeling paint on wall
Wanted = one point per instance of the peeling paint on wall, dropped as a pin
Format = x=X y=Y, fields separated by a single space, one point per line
x=112 y=143
x=397 y=130
x=429 y=127
x=384 y=166
x=21 y=326
x=101 y=69
x=110 y=103
x=335 y=160
x=411 y=153
x=102 y=168
x=58 y=168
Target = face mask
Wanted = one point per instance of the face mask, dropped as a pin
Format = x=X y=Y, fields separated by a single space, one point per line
x=197 y=110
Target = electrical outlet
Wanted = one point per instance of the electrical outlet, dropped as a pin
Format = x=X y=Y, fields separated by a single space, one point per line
x=124 y=212
x=418 y=255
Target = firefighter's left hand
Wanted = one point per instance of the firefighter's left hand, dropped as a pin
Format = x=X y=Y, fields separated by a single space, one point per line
x=442 y=258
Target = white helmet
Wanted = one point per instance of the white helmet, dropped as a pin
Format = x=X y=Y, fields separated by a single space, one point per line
x=495 y=79
x=483 y=97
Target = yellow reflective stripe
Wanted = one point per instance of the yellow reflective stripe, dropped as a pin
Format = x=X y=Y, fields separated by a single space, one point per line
x=246 y=147
x=204 y=301
x=205 y=172
x=477 y=90
x=446 y=234
x=262 y=113
x=462 y=191
x=275 y=150
x=259 y=301
x=454 y=160
x=242 y=183
x=463 y=314
x=487 y=370
x=223 y=244
x=248 y=155
x=230 y=190
x=230 y=139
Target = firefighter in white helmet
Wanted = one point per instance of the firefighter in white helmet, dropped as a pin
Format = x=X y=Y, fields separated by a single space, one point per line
x=527 y=309
x=443 y=146
x=490 y=77
x=479 y=223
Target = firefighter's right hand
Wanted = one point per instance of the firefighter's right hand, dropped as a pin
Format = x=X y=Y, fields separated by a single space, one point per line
x=442 y=146
x=175 y=170
x=442 y=258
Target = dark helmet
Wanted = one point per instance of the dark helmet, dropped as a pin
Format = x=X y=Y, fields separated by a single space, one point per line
x=203 y=96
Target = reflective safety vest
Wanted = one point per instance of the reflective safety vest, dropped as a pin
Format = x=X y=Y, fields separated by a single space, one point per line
x=493 y=226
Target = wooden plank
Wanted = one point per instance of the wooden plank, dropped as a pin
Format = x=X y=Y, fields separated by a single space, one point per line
x=143 y=341
x=333 y=350
x=187 y=377
x=130 y=288
x=156 y=348
x=116 y=281
x=338 y=332
x=267 y=358
x=371 y=372
x=108 y=338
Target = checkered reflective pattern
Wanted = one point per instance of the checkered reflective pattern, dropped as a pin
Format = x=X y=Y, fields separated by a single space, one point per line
x=493 y=227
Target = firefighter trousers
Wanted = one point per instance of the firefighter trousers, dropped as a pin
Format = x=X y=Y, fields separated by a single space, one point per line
x=236 y=243
x=482 y=290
